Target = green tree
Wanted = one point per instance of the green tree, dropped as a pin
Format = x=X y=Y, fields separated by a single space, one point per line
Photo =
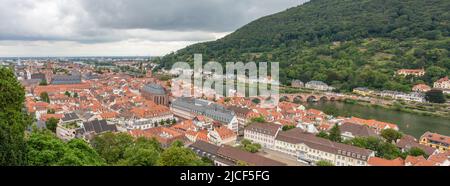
x=44 y=97
x=51 y=124
x=415 y=151
x=142 y=153
x=248 y=146
x=67 y=94
x=178 y=143
x=322 y=134
x=44 y=149
x=435 y=96
x=43 y=83
x=434 y=73
x=288 y=127
x=168 y=121
x=142 y=141
x=256 y=101
x=207 y=161
x=50 y=111
x=242 y=163
x=382 y=149
x=112 y=147
x=335 y=134
x=79 y=153
x=391 y=135
x=323 y=163
x=12 y=120
x=179 y=156
x=75 y=95
x=258 y=120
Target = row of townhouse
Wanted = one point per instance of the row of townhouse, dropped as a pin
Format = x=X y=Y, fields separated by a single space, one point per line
x=416 y=96
x=306 y=147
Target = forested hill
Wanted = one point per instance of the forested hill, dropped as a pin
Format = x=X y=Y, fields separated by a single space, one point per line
x=346 y=43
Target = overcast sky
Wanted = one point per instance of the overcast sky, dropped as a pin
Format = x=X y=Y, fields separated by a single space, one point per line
x=121 y=27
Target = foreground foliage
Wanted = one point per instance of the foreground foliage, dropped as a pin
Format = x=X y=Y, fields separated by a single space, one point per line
x=13 y=121
x=45 y=149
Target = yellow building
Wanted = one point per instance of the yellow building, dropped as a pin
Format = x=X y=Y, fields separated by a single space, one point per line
x=363 y=91
x=437 y=141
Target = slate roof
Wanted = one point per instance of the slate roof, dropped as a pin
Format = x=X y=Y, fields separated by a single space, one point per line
x=70 y=117
x=154 y=89
x=265 y=128
x=357 y=130
x=203 y=107
x=99 y=126
x=65 y=79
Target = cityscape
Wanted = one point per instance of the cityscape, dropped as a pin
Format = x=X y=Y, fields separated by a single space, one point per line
x=380 y=98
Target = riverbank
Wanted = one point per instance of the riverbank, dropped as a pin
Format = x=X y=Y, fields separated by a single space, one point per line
x=409 y=123
x=403 y=107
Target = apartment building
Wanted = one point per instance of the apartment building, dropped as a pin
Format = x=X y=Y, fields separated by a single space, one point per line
x=443 y=84
x=435 y=140
x=306 y=147
x=262 y=133
x=309 y=149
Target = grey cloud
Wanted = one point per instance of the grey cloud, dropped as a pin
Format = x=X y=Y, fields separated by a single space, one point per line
x=159 y=22
x=205 y=15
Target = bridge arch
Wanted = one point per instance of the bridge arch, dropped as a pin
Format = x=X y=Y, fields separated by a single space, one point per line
x=324 y=99
x=285 y=98
x=298 y=99
x=311 y=99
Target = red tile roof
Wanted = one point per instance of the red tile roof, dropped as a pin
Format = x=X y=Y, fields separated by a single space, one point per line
x=436 y=137
x=165 y=136
x=379 y=125
x=418 y=161
x=376 y=161
x=225 y=133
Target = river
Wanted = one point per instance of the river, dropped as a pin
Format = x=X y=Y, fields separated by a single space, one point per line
x=409 y=123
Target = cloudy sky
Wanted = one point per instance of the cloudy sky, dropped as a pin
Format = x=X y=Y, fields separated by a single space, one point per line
x=121 y=27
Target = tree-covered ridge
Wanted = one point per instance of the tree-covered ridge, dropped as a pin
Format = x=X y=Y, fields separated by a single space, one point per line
x=346 y=43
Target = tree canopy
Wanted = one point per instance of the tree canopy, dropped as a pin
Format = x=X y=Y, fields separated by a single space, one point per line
x=44 y=149
x=335 y=134
x=13 y=121
x=391 y=135
x=51 y=124
x=435 y=96
x=383 y=149
x=179 y=156
x=248 y=146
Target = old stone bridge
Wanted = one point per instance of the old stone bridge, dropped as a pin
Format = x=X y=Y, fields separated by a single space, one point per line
x=311 y=97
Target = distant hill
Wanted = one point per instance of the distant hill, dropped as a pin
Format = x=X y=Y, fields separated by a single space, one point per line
x=345 y=43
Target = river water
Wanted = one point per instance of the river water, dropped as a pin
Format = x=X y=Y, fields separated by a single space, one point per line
x=409 y=123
